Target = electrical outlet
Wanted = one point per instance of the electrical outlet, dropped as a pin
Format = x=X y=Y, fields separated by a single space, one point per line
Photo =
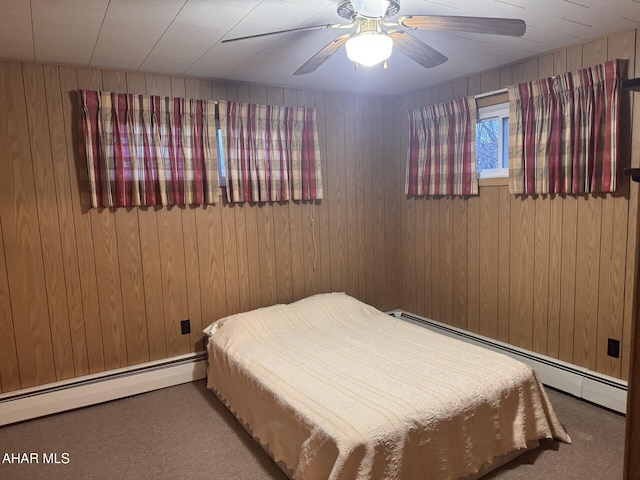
x=185 y=326
x=613 y=348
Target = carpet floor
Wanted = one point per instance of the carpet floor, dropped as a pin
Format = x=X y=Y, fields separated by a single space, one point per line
x=184 y=432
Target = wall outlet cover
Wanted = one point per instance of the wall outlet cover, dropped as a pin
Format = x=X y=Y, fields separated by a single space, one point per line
x=185 y=326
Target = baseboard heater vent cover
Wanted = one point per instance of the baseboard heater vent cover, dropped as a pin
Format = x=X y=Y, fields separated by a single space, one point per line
x=580 y=382
x=98 y=388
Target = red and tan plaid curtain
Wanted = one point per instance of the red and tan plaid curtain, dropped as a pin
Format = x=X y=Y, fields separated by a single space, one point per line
x=563 y=132
x=442 y=158
x=272 y=152
x=149 y=150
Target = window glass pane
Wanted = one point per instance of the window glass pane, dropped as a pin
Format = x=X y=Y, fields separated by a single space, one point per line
x=488 y=144
x=505 y=142
x=222 y=168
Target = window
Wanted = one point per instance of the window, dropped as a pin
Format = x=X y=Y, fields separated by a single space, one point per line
x=222 y=167
x=492 y=141
x=222 y=164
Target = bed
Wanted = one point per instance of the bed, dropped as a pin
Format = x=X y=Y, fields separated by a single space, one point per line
x=334 y=389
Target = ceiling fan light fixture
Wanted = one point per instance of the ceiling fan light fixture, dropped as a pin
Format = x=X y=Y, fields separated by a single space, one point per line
x=369 y=48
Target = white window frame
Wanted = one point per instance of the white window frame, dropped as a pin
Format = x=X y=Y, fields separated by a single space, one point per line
x=499 y=111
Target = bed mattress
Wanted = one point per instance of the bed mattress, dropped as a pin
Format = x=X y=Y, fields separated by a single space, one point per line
x=334 y=389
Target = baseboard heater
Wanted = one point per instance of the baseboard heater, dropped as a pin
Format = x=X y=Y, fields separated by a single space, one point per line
x=580 y=382
x=88 y=390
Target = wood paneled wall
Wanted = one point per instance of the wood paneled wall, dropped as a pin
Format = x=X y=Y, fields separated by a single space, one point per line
x=86 y=290
x=551 y=273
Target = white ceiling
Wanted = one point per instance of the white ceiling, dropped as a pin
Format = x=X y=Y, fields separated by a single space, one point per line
x=182 y=37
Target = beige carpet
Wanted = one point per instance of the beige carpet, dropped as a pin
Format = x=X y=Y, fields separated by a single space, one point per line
x=184 y=432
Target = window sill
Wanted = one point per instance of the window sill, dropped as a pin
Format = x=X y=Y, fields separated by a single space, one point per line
x=494 y=182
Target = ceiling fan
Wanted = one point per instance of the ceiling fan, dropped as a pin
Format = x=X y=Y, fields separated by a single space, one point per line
x=373 y=36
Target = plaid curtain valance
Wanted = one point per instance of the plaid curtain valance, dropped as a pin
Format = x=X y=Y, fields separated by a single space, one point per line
x=441 y=157
x=563 y=132
x=271 y=152
x=149 y=150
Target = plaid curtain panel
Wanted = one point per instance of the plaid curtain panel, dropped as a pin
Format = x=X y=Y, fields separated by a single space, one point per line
x=271 y=152
x=149 y=150
x=563 y=132
x=442 y=142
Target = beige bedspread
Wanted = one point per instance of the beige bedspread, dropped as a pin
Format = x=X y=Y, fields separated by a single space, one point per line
x=335 y=389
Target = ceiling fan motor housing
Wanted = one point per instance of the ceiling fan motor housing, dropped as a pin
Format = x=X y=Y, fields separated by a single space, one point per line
x=346 y=10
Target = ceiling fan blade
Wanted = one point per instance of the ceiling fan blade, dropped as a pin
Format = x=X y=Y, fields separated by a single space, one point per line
x=416 y=49
x=496 y=26
x=299 y=29
x=323 y=55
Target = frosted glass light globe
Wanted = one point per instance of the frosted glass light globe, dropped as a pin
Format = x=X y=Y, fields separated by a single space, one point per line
x=369 y=48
